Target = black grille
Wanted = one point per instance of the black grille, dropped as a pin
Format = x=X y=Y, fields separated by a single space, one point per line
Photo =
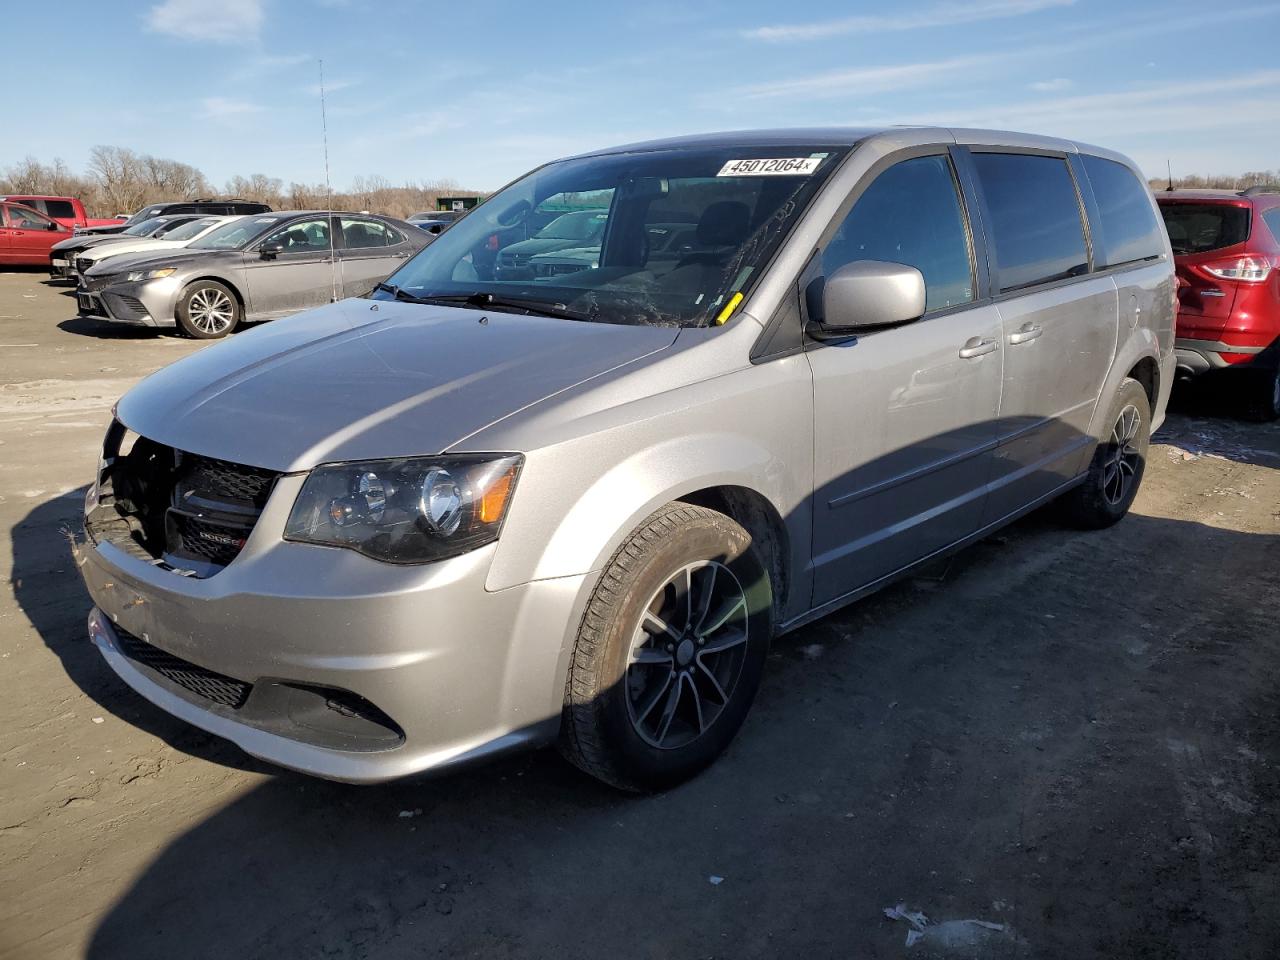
x=216 y=543
x=219 y=479
x=126 y=308
x=215 y=687
x=190 y=512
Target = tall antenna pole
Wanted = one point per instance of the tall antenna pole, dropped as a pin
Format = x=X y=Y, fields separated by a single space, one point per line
x=328 y=190
x=1169 y=166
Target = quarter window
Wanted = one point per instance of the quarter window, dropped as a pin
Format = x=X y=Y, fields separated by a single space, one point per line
x=1272 y=219
x=1034 y=224
x=1128 y=227
x=911 y=214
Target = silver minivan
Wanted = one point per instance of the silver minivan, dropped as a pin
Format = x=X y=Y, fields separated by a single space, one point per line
x=469 y=513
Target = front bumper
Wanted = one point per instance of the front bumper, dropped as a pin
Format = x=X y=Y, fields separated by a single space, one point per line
x=461 y=671
x=148 y=303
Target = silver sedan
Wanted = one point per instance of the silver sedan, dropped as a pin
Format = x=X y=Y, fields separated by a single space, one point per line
x=254 y=268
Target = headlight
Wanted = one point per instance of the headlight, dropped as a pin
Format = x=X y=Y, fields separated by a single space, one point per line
x=406 y=511
x=151 y=274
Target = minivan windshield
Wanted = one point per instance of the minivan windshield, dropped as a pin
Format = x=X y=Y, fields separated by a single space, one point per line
x=657 y=237
x=1201 y=227
x=234 y=235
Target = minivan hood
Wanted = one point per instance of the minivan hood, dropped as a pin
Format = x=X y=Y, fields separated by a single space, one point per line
x=360 y=380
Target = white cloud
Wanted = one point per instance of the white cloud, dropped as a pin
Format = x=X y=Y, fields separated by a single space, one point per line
x=940 y=15
x=219 y=107
x=861 y=80
x=1051 y=86
x=330 y=86
x=230 y=21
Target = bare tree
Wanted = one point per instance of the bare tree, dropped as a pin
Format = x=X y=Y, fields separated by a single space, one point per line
x=121 y=180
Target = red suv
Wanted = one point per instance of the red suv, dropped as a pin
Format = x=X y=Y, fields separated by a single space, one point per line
x=1227 y=250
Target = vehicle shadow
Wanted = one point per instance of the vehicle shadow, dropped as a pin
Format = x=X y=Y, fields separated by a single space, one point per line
x=1037 y=733
x=1038 y=742
x=55 y=601
x=106 y=330
x=1210 y=428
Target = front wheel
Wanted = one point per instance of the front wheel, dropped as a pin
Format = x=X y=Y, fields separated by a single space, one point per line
x=1118 y=463
x=670 y=650
x=207 y=310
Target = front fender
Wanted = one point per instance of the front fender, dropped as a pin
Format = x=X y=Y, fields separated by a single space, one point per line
x=579 y=497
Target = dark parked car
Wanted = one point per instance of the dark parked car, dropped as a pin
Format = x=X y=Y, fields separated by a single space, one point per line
x=1227 y=250
x=435 y=221
x=200 y=207
x=63 y=253
x=254 y=268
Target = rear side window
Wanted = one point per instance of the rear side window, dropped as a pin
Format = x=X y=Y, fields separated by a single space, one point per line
x=60 y=208
x=1129 y=229
x=1201 y=227
x=911 y=214
x=359 y=234
x=1034 y=221
x=31 y=203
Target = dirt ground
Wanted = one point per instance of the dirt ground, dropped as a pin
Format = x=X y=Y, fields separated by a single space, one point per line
x=1072 y=737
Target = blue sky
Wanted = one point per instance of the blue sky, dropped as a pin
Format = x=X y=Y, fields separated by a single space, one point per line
x=479 y=92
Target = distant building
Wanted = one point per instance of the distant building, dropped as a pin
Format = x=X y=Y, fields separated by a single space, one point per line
x=456 y=203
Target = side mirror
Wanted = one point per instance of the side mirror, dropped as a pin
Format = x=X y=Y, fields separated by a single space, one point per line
x=864 y=295
x=269 y=251
x=54 y=225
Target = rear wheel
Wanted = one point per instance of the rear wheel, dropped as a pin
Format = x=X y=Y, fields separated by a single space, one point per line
x=670 y=651
x=207 y=310
x=1118 y=463
x=1264 y=402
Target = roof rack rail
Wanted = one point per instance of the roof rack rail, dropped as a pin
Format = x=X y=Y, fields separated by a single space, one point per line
x=1260 y=189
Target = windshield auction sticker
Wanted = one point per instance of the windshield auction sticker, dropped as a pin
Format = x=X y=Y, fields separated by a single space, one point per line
x=775 y=167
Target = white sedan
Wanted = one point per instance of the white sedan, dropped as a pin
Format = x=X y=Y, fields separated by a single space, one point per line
x=175 y=239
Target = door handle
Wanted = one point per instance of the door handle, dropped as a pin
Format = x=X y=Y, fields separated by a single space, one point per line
x=1026 y=333
x=977 y=347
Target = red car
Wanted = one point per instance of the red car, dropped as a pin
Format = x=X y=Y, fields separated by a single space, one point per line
x=68 y=211
x=1226 y=248
x=26 y=236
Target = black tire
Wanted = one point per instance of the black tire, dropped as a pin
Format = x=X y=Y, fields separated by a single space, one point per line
x=1264 y=397
x=1097 y=502
x=606 y=691
x=202 y=307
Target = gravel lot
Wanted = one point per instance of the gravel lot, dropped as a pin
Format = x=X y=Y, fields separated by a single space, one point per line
x=1074 y=737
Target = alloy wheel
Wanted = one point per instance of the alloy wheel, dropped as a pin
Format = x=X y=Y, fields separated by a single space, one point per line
x=1122 y=458
x=686 y=654
x=211 y=310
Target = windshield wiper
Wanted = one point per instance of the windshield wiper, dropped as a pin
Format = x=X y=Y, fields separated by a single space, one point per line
x=399 y=294
x=489 y=301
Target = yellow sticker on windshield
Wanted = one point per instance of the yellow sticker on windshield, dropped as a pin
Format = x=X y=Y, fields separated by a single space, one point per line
x=729 y=307
x=773 y=167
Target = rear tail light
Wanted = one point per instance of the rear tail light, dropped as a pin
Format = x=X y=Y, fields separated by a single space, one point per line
x=1249 y=269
